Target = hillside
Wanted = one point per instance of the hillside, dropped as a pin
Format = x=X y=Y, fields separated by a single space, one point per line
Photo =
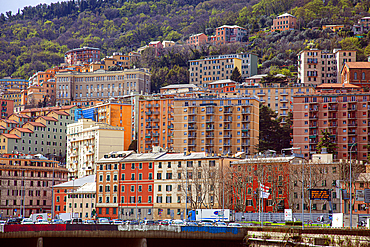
x=36 y=38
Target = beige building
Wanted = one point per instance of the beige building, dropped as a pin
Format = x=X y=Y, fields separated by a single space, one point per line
x=317 y=66
x=216 y=125
x=100 y=85
x=87 y=142
x=214 y=68
x=194 y=176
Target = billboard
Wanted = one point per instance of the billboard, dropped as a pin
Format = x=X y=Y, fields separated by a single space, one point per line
x=319 y=194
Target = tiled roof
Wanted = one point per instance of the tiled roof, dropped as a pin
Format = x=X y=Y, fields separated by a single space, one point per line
x=9 y=121
x=37 y=124
x=337 y=85
x=61 y=113
x=25 y=130
x=11 y=136
x=48 y=118
x=358 y=65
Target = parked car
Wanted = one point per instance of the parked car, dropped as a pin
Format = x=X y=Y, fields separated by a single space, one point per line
x=117 y=222
x=134 y=222
x=205 y=223
x=42 y=222
x=14 y=221
x=27 y=221
x=164 y=223
x=57 y=221
x=191 y=223
x=89 y=222
x=2 y=222
x=76 y=221
x=178 y=223
x=103 y=221
x=220 y=224
x=149 y=222
x=233 y=224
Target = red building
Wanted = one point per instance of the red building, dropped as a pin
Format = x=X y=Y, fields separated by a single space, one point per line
x=7 y=108
x=157 y=45
x=82 y=55
x=222 y=86
x=125 y=183
x=228 y=34
x=356 y=73
x=284 y=22
x=197 y=39
x=246 y=177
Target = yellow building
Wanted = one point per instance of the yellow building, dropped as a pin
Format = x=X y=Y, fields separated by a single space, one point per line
x=87 y=142
x=194 y=176
x=216 y=125
x=334 y=28
x=155 y=126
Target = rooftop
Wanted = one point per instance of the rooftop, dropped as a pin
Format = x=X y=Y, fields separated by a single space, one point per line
x=358 y=65
x=77 y=182
x=222 y=81
x=11 y=136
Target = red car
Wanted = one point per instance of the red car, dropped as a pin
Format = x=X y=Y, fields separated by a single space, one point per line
x=164 y=223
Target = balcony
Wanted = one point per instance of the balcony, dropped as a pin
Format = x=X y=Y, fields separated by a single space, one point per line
x=245 y=143
x=192 y=113
x=227 y=144
x=148 y=126
x=246 y=120
x=351 y=133
x=333 y=108
x=312 y=118
x=245 y=135
x=191 y=144
x=192 y=120
x=148 y=106
x=148 y=142
x=148 y=136
x=228 y=136
x=156 y=105
x=229 y=111
x=228 y=120
x=261 y=94
x=192 y=128
x=283 y=101
x=209 y=144
x=284 y=107
x=209 y=120
x=156 y=112
x=246 y=112
x=155 y=142
x=148 y=113
x=156 y=134
x=352 y=108
x=313 y=136
x=352 y=125
x=314 y=109
x=210 y=136
x=210 y=128
x=155 y=120
x=284 y=93
x=191 y=136
x=155 y=127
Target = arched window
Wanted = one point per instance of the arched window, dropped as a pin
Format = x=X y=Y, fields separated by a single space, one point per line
x=355 y=76
x=363 y=75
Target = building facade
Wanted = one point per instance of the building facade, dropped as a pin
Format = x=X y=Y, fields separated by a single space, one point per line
x=216 y=125
x=344 y=115
x=87 y=142
x=25 y=184
x=156 y=118
x=317 y=66
x=100 y=85
x=356 y=73
x=82 y=55
x=197 y=39
x=284 y=22
x=7 y=108
x=214 y=68
x=228 y=34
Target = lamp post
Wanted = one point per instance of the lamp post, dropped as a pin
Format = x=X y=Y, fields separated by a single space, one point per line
x=350 y=184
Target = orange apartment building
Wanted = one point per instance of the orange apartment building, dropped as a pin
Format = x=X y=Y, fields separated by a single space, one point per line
x=9 y=83
x=82 y=55
x=356 y=73
x=216 y=125
x=155 y=123
x=114 y=114
x=7 y=108
x=27 y=184
x=197 y=39
x=228 y=34
x=284 y=22
x=344 y=112
x=317 y=66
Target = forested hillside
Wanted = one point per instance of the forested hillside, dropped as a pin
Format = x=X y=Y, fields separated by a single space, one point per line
x=36 y=38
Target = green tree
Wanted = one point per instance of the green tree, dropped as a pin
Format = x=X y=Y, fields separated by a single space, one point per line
x=236 y=76
x=326 y=142
x=274 y=133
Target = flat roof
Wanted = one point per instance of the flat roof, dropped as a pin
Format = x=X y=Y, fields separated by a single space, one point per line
x=77 y=182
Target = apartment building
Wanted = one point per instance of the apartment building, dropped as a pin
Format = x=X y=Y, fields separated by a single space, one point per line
x=19 y=97
x=216 y=125
x=197 y=39
x=100 y=85
x=33 y=113
x=284 y=22
x=7 y=108
x=356 y=73
x=114 y=114
x=8 y=83
x=344 y=114
x=317 y=66
x=125 y=185
x=77 y=197
x=82 y=55
x=26 y=183
x=272 y=172
x=155 y=123
x=362 y=25
x=87 y=142
x=187 y=181
x=45 y=134
x=228 y=34
x=214 y=68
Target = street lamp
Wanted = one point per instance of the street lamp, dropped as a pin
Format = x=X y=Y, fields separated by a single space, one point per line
x=350 y=184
